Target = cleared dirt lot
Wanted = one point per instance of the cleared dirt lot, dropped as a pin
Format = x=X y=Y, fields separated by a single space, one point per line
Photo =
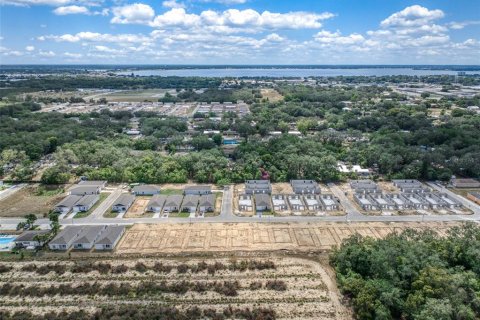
x=228 y=237
x=271 y=94
x=307 y=288
x=28 y=200
x=138 y=208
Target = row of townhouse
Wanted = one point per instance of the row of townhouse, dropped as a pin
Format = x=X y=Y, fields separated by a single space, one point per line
x=151 y=190
x=298 y=187
x=404 y=201
x=282 y=202
x=81 y=197
x=87 y=237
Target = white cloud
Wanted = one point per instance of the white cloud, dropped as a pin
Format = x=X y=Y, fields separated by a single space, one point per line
x=173 y=4
x=97 y=37
x=461 y=25
x=137 y=13
x=328 y=37
x=412 y=16
x=274 y=37
x=29 y=48
x=227 y=2
x=61 y=11
x=53 y=3
x=47 y=54
x=73 y=55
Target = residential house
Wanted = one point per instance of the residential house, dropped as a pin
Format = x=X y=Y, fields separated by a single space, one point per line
x=156 y=203
x=87 y=237
x=109 y=238
x=258 y=186
x=172 y=203
x=262 y=202
x=313 y=202
x=305 y=186
x=329 y=202
x=416 y=201
x=80 y=190
x=364 y=186
x=383 y=202
x=146 y=190
x=64 y=239
x=279 y=202
x=245 y=203
x=86 y=203
x=434 y=201
x=295 y=202
x=66 y=205
x=29 y=238
x=207 y=203
x=450 y=202
x=400 y=201
x=190 y=203
x=197 y=190
x=123 y=202
x=464 y=183
x=410 y=186
x=100 y=184
x=365 y=201
x=474 y=196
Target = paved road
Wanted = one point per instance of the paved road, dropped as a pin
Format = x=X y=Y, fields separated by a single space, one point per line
x=106 y=204
x=227 y=215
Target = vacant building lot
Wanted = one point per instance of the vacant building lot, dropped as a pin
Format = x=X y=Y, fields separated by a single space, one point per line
x=221 y=288
x=30 y=199
x=215 y=237
x=138 y=208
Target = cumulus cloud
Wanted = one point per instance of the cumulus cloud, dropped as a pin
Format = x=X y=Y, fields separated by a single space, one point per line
x=30 y=48
x=173 y=4
x=73 y=55
x=53 y=3
x=461 y=25
x=96 y=37
x=61 y=11
x=336 y=38
x=47 y=54
x=412 y=16
x=137 y=13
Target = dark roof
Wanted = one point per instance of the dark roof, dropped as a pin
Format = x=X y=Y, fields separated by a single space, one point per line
x=262 y=200
x=146 y=188
x=69 y=201
x=198 y=188
x=66 y=235
x=475 y=194
x=93 y=183
x=173 y=200
x=88 y=234
x=30 y=235
x=83 y=189
x=87 y=200
x=190 y=200
x=110 y=235
x=207 y=200
x=157 y=201
x=124 y=200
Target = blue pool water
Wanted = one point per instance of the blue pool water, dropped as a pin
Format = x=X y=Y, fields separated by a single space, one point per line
x=5 y=240
x=230 y=141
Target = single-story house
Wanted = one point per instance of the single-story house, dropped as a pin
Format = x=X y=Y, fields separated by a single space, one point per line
x=197 y=190
x=258 y=186
x=207 y=203
x=28 y=238
x=86 y=203
x=156 y=203
x=123 y=202
x=450 y=202
x=329 y=202
x=64 y=239
x=98 y=183
x=474 y=196
x=245 y=203
x=172 y=203
x=434 y=201
x=410 y=186
x=365 y=201
x=295 y=202
x=66 y=204
x=279 y=202
x=464 y=183
x=190 y=203
x=109 y=238
x=383 y=202
x=305 y=186
x=400 y=201
x=364 y=186
x=80 y=190
x=262 y=202
x=416 y=201
x=87 y=237
x=146 y=190
x=312 y=202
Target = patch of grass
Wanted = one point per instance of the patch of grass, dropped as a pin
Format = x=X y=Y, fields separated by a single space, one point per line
x=79 y=215
x=110 y=214
x=16 y=256
x=48 y=191
x=179 y=214
x=169 y=192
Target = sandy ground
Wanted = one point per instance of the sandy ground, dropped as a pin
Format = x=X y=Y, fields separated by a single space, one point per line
x=25 y=201
x=138 y=208
x=271 y=94
x=229 y=237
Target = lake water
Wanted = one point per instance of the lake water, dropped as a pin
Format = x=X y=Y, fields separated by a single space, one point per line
x=288 y=72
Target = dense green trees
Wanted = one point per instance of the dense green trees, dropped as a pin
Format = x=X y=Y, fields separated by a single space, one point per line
x=412 y=275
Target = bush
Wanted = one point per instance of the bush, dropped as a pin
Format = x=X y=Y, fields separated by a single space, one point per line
x=277 y=285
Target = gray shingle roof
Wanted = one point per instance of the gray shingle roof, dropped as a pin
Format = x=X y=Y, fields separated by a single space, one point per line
x=110 y=235
x=174 y=200
x=124 y=200
x=69 y=201
x=157 y=201
x=66 y=235
x=88 y=234
x=207 y=200
x=146 y=188
x=30 y=235
x=190 y=200
x=87 y=200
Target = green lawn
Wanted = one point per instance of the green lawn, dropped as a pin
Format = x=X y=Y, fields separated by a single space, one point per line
x=169 y=192
x=103 y=196
x=110 y=214
x=179 y=214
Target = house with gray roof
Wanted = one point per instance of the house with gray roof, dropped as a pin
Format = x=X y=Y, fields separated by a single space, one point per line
x=464 y=183
x=207 y=203
x=86 y=203
x=434 y=201
x=65 y=238
x=66 y=205
x=146 y=190
x=365 y=201
x=305 y=186
x=98 y=183
x=109 y=238
x=190 y=203
x=296 y=202
x=172 y=203
x=400 y=201
x=123 y=202
x=262 y=202
x=156 y=203
x=449 y=201
x=312 y=202
x=29 y=238
x=364 y=186
x=279 y=202
x=245 y=203
x=197 y=190
x=383 y=202
x=329 y=202
x=416 y=201
x=410 y=186
x=87 y=237
x=81 y=190
x=258 y=186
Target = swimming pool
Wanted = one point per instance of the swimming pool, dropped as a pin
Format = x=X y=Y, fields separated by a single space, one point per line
x=6 y=242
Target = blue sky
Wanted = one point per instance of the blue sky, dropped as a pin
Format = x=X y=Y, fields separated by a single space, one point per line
x=240 y=32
